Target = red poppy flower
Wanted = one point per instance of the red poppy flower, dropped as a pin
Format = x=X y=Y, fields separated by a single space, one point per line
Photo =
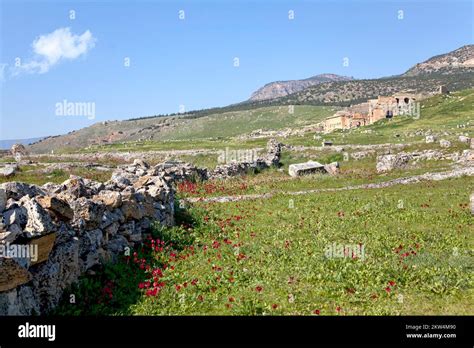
x=259 y=288
x=317 y=311
x=274 y=306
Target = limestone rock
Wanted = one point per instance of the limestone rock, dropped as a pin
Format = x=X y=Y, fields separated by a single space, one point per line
x=10 y=234
x=309 y=167
x=18 y=149
x=444 y=143
x=464 y=139
x=89 y=212
x=45 y=245
x=8 y=170
x=15 y=215
x=430 y=139
x=75 y=187
x=332 y=168
x=89 y=249
x=17 y=190
x=386 y=163
x=12 y=274
x=58 y=207
x=131 y=209
x=141 y=163
x=111 y=199
x=19 y=301
x=39 y=222
x=52 y=277
x=3 y=200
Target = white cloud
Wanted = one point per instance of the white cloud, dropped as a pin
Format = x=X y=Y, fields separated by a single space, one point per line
x=52 y=48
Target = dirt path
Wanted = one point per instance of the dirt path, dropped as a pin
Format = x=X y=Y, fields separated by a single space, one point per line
x=455 y=173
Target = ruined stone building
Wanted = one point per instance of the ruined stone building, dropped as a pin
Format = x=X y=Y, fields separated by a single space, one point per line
x=372 y=111
x=340 y=120
x=387 y=107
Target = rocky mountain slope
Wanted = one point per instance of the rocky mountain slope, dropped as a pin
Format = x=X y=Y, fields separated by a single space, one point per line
x=351 y=92
x=457 y=61
x=278 y=89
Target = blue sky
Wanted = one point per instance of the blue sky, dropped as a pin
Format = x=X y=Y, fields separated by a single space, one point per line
x=190 y=62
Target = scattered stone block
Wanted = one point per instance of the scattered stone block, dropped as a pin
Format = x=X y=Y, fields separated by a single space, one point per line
x=386 y=163
x=307 y=168
x=332 y=168
x=444 y=143
x=8 y=170
x=464 y=139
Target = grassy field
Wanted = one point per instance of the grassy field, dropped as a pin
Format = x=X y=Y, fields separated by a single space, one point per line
x=278 y=257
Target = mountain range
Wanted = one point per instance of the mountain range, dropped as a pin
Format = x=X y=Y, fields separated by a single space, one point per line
x=278 y=89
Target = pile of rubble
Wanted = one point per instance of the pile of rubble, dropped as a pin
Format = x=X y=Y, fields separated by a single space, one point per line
x=388 y=162
x=271 y=158
x=282 y=133
x=64 y=230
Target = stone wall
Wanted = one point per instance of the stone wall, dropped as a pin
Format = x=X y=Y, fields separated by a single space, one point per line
x=80 y=223
x=75 y=225
x=185 y=171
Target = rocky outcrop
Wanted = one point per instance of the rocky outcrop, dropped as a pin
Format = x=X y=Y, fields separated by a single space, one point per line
x=8 y=170
x=386 y=163
x=460 y=60
x=444 y=143
x=18 y=150
x=65 y=230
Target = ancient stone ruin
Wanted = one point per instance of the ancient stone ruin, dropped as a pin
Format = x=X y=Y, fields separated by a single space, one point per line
x=74 y=226
x=186 y=171
x=312 y=167
x=52 y=234
x=18 y=150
